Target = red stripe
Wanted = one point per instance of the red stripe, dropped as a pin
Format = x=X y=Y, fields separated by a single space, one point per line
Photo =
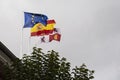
x=34 y=34
x=44 y=32
x=50 y=21
x=41 y=33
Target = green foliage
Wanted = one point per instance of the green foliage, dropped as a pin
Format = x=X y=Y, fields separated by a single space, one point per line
x=82 y=73
x=49 y=66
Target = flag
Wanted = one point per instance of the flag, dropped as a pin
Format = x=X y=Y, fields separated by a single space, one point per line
x=31 y=19
x=50 y=25
x=40 y=30
x=55 y=36
x=44 y=39
x=57 y=30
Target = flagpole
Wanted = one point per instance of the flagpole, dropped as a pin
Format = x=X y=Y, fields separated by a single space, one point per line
x=29 y=45
x=21 y=47
x=36 y=42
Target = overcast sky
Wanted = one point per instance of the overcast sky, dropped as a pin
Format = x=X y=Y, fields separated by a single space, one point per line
x=90 y=31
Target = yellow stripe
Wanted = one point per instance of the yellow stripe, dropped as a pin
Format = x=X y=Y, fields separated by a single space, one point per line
x=38 y=27
x=49 y=27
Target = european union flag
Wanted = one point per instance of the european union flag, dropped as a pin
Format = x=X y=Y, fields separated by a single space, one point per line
x=31 y=19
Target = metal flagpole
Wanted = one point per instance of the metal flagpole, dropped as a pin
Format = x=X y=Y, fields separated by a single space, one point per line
x=29 y=45
x=21 y=47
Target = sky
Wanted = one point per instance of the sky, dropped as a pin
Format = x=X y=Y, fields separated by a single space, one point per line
x=90 y=32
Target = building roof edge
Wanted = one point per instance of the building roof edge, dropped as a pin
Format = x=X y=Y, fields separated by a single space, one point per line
x=7 y=51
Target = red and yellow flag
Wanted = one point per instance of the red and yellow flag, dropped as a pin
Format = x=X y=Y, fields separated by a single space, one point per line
x=55 y=36
x=40 y=30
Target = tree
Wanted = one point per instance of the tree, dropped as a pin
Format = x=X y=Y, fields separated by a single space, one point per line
x=49 y=66
x=82 y=73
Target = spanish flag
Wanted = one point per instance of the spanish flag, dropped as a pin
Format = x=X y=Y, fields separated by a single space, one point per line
x=55 y=36
x=39 y=29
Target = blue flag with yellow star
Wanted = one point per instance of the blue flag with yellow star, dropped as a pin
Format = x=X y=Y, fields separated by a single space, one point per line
x=31 y=19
